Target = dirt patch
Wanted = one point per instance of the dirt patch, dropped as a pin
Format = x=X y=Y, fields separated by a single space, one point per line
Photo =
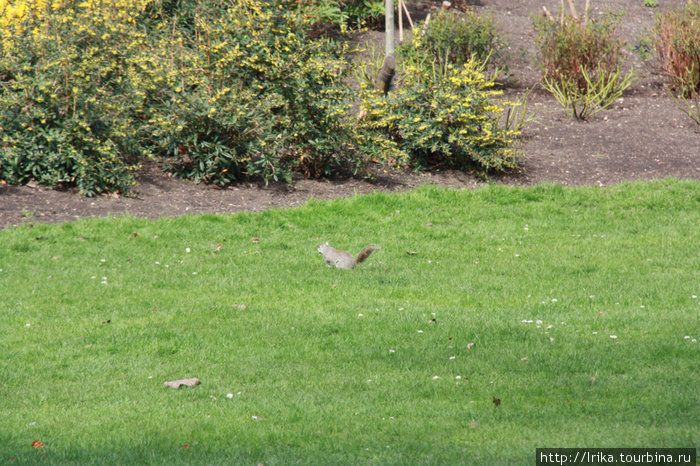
x=643 y=136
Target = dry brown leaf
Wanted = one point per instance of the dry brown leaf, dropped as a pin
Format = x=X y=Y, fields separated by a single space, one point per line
x=37 y=444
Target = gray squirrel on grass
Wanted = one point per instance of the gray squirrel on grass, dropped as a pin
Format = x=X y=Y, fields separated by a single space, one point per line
x=343 y=259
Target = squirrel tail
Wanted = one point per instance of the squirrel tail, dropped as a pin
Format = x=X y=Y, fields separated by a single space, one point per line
x=364 y=254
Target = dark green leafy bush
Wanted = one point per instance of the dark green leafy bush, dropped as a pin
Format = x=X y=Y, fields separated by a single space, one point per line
x=454 y=37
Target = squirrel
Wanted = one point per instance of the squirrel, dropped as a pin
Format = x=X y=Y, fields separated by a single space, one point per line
x=343 y=259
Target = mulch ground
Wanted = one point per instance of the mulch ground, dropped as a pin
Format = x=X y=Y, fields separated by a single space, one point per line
x=643 y=136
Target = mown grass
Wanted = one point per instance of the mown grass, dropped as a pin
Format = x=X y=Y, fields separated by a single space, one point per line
x=372 y=365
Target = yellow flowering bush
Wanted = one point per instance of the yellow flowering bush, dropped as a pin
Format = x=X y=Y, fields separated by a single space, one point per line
x=260 y=99
x=224 y=90
x=443 y=116
x=66 y=103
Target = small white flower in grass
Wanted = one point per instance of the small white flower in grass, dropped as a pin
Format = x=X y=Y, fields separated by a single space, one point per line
x=435 y=377
x=613 y=336
x=550 y=326
x=551 y=339
x=595 y=333
x=188 y=250
x=230 y=395
x=157 y=263
x=453 y=357
x=554 y=300
x=458 y=377
x=400 y=309
x=694 y=340
x=255 y=418
x=392 y=351
x=686 y=337
x=693 y=297
x=103 y=260
x=538 y=322
x=194 y=273
x=360 y=315
x=369 y=380
x=420 y=331
x=27 y=324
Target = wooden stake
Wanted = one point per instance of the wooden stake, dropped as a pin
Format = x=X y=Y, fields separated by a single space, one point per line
x=408 y=15
x=400 y=22
x=561 y=13
x=545 y=12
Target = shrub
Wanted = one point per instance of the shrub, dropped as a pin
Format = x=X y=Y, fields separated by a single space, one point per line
x=223 y=90
x=454 y=38
x=333 y=15
x=581 y=61
x=66 y=102
x=677 y=39
x=442 y=116
x=442 y=112
x=249 y=95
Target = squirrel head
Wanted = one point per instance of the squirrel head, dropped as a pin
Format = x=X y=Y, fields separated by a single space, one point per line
x=323 y=247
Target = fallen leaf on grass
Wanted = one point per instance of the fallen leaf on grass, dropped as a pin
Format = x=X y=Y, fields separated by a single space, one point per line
x=185 y=446
x=179 y=383
x=255 y=239
x=496 y=401
x=37 y=444
x=473 y=425
x=470 y=345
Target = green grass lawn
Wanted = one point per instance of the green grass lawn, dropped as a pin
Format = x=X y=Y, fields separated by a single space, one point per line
x=582 y=306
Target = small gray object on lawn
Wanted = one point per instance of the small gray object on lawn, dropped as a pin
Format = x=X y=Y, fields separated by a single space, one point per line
x=179 y=383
